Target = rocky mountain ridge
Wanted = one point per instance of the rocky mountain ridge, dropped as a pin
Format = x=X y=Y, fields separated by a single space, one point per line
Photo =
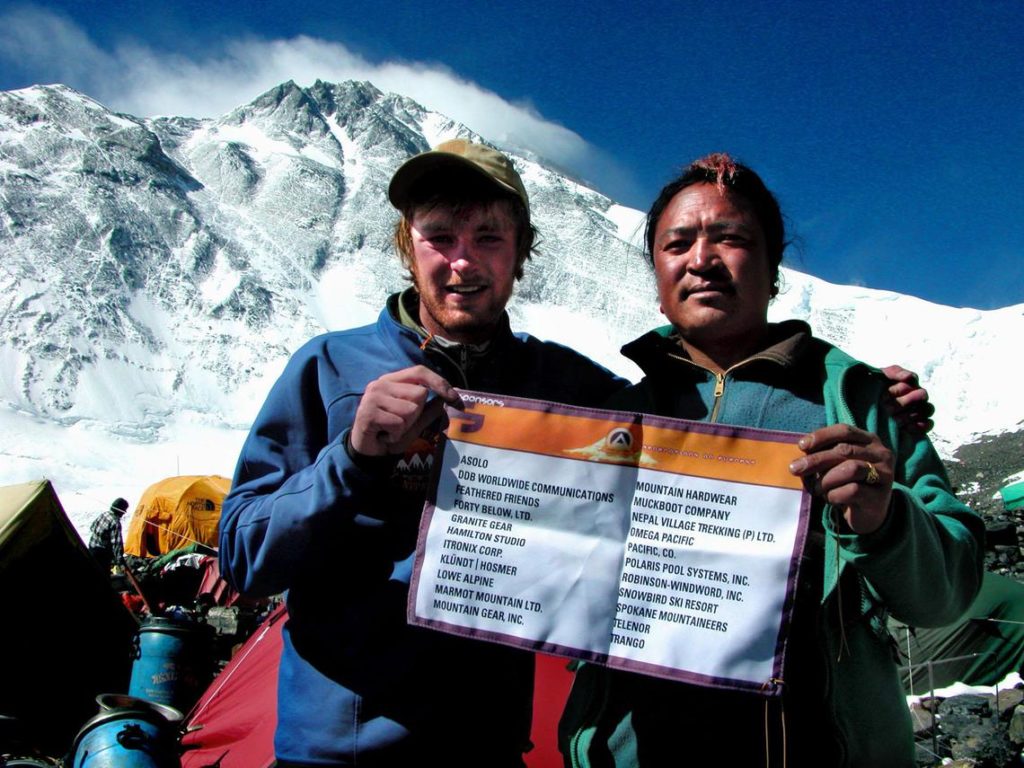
x=168 y=266
x=189 y=253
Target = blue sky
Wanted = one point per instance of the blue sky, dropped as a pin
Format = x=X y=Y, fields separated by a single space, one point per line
x=892 y=132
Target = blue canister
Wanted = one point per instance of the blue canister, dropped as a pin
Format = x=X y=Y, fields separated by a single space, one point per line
x=129 y=732
x=172 y=663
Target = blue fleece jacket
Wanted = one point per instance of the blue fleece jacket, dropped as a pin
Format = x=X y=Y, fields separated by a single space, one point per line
x=356 y=683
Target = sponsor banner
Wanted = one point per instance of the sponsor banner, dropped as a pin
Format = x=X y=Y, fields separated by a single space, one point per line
x=661 y=546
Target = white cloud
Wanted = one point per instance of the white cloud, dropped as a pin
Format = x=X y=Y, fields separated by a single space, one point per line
x=33 y=38
x=139 y=80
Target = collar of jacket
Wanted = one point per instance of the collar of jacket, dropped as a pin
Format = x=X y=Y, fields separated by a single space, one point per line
x=402 y=310
x=846 y=390
x=662 y=346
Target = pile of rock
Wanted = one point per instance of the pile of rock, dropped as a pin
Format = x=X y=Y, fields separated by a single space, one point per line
x=977 y=473
x=1003 y=535
x=984 y=731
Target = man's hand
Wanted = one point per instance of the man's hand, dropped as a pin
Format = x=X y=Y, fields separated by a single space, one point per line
x=394 y=410
x=908 y=400
x=851 y=469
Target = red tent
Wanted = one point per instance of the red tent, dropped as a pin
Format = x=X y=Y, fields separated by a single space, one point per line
x=232 y=724
x=551 y=688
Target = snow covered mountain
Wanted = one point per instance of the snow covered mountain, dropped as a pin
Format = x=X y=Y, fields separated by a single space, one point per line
x=157 y=273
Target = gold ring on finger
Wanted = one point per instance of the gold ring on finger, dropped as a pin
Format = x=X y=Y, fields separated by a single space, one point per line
x=872 y=477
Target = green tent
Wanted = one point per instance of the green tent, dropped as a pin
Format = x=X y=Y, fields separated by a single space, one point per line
x=1013 y=496
x=66 y=634
x=981 y=649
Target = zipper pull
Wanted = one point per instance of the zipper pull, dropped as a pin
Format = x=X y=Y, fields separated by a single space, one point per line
x=716 y=402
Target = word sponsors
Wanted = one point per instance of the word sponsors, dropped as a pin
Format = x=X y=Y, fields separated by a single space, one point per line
x=641 y=546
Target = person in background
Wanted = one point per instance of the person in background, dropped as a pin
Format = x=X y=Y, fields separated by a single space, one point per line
x=105 y=542
x=331 y=481
x=887 y=534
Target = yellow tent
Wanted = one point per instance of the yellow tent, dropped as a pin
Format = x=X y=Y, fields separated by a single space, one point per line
x=176 y=512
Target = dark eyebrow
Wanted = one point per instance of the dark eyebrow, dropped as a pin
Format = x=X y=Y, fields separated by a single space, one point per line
x=671 y=234
x=434 y=224
x=490 y=225
x=440 y=223
x=721 y=225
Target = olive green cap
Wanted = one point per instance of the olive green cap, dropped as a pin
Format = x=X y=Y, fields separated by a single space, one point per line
x=489 y=163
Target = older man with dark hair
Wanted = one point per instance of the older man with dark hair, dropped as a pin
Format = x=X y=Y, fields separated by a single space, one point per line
x=888 y=535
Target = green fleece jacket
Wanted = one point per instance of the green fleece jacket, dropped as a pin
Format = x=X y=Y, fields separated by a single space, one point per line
x=923 y=566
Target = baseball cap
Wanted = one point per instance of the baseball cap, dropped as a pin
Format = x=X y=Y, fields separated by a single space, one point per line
x=459 y=154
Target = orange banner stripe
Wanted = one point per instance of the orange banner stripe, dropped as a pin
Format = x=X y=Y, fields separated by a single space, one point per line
x=719 y=457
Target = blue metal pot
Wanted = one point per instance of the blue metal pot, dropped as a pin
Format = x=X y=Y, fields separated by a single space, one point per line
x=172 y=662
x=128 y=732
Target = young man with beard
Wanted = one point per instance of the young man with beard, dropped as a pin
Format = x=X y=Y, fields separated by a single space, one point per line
x=331 y=482
x=887 y=535
x=329 y=487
